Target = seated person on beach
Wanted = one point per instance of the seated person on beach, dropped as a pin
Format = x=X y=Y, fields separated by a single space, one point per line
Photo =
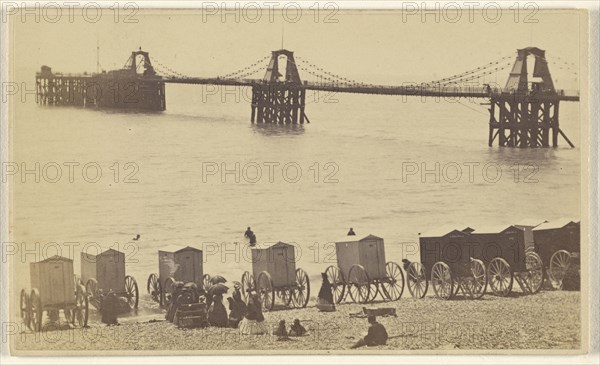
x=217 y=314
x=281 y=331
x=351 y=232
x=376 y=336
x=297 y=329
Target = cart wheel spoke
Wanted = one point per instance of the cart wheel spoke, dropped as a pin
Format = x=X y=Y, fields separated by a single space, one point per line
x=478 y=283
x=133 y=294
x=393 y=285
x=301 y=294
x=417 y=280
x=535 y=272
x=169 y=287
x=248 y=285
x=154 y=288
x=442 y=281
x=35 y=311
x=264 y=287
x=338 y=287
x=359 y=284
x=559 y=264
x=500 y=277
x=286 y=296
x=24 y=308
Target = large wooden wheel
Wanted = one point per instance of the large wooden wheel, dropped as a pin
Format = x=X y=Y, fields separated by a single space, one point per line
x=264 y=288
x=154 y=288
x=393 y=284
x=559 y=264
x=500 y=277
x=301 y=293
x=442 y=281
x=478 y=283
x=206 y=282
x=373 y=291
x=248 y=285
x=285 y=294
x=132 y=292
x=417 y=280
x=81 y=311
x=35 y=311
x=535 y=272
x=91 y=288
x=24 y=307
x=338 y=287
x=359 y=284
x=169 y=288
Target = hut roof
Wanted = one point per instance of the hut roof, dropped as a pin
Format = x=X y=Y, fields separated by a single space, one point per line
x=56 y=258
x=491 y=228
x=278 y=244
x=111 y=251
x=368 y=237
x=554 y=224
x=177 y=248
x=441 y=231
x=281 y=244
x=531 y=222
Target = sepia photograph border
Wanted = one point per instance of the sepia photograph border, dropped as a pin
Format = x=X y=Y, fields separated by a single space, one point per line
x=589 y=239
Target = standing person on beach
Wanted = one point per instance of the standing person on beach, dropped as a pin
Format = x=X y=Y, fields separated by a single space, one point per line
x=376 y=336
x=325 y=302
x=351 y=232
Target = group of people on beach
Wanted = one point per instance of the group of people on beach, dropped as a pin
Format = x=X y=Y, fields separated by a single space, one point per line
x=249 y=318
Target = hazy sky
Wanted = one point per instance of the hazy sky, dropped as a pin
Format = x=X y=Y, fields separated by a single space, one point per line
x=368 y=46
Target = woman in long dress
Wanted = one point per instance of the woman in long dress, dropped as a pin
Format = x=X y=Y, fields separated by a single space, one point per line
x=325 y=301
x=237 y=308
x=254 y=322
x=217 y=314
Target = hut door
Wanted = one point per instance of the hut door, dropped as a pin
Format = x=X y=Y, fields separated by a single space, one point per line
x=280 y=266
x=58 y=287
x=371 y=256
x=187 y=268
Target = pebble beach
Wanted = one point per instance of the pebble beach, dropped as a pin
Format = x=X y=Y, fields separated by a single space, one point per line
x=547 y=320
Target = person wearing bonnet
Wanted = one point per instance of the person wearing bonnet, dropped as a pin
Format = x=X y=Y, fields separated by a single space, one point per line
x=325 y=302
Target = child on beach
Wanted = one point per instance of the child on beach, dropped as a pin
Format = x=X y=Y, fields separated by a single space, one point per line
x=297 y=329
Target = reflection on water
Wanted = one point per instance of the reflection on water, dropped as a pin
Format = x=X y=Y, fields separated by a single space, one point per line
x=273 y=129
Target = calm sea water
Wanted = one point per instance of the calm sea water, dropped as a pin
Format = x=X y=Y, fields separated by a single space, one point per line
x=357 y=143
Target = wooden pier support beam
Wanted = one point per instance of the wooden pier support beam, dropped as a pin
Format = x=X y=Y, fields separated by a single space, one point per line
x=525 y=122
x=278 y=103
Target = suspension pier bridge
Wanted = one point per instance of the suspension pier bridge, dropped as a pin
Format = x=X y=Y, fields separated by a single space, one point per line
x=523 y=113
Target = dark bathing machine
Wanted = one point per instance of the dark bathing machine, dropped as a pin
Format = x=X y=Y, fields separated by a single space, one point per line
x=469 y=260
